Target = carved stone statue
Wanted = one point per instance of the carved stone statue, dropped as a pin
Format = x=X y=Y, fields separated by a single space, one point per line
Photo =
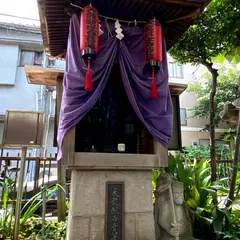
x=173 y=218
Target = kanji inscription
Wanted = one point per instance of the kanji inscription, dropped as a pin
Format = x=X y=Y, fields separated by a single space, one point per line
x=114 y=208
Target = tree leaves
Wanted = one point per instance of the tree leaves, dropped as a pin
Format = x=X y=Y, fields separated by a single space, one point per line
x=226 y=91
x=213 y=36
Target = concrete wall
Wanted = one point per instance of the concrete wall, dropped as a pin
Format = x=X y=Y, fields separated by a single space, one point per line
x=1 y=131
x=29 y=41
x=87 y=206
x=189 y=100
x=9 y=61
x=195 y=136
x=21 y=96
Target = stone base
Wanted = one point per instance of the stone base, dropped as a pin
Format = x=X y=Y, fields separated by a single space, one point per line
x=87 y=206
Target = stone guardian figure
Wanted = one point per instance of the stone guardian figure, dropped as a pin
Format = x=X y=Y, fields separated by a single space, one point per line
x=173 y=218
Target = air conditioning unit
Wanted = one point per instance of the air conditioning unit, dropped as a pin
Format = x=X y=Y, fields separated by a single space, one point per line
x=23 y=129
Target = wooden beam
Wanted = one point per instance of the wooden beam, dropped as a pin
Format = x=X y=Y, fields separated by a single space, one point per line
x=54 y=17
x=187 y=3
x=61 y=203
x=69 y=148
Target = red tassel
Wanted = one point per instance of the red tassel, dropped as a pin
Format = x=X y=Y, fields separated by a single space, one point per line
x=88 y=78
x=88 y=82
x=154 y=90
x=153 y=85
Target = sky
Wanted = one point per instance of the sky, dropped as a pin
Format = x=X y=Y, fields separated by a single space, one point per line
x=23 y=8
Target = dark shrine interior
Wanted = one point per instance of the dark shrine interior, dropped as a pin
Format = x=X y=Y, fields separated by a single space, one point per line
x=112 y=121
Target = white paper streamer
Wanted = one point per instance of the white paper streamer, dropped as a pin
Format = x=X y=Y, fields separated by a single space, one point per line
x=100 y=30
x=118 y=30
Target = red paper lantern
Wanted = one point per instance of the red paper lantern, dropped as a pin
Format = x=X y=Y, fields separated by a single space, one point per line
x=89 y=40
x=153 y=49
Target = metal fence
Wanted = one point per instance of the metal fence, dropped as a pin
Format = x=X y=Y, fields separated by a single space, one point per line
x=40 y=171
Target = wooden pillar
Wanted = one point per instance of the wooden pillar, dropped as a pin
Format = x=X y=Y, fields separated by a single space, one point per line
x=61 y=203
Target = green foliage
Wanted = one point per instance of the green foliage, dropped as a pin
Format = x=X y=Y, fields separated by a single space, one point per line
x=226 y=92
x=28 y=224
x=195 y=176
x=29 y=209
x=200 y=152
x=53 y=230
x=214 y=34
x=6 y=214
x=207 y=199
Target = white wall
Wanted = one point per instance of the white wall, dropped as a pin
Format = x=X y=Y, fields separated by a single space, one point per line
x=8 y=63
x=31 y=40
x=21 y=96
x=1 y=132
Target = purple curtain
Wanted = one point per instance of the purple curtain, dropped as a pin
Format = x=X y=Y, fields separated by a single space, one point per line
x=156 y=114
x=76 y=102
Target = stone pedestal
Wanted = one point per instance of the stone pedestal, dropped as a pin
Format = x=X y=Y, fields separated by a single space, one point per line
x=88 y=195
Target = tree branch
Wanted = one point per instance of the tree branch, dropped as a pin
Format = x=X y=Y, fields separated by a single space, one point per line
x=215 y=74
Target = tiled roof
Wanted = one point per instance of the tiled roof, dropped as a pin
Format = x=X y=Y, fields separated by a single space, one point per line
x=21 y=24
x=20 y=28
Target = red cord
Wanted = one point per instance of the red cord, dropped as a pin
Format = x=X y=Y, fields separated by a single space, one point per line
x=154 y=93
x=88 y=79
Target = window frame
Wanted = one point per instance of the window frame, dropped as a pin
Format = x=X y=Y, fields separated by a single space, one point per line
x=52 y=64
x=171 y=65
x=174 y=66
x=185 y=110
x=181 y=70
x=203 y=139
x=33 y=62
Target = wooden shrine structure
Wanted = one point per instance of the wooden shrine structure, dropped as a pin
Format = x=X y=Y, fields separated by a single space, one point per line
x=97 y=175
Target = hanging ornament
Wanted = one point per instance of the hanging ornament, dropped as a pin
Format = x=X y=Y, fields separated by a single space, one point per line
x=100 y=30
x=118 y=30
x=89 y=40
x=153 y=50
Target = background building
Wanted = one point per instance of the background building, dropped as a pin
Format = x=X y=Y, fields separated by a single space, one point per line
x=21 y=44
x=191 y=127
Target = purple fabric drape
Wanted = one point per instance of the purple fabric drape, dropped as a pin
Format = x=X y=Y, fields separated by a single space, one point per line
x=76 y=102
x=156 y=114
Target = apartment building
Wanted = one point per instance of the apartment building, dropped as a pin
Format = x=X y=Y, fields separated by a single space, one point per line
x=21 y=44
x=191 y=128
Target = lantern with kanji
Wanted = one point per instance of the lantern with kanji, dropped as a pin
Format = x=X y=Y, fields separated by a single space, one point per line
x=89 y=40
x=153 y=50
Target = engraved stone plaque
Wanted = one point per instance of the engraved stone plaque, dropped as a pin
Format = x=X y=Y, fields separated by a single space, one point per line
x=114 y=211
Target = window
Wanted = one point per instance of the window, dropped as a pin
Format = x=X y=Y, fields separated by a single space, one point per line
x=183 y=116
x=31 y=58
x=179 y=71
x=175 y=70
x=204 y=142
x=56 y=64
x=171 y=69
